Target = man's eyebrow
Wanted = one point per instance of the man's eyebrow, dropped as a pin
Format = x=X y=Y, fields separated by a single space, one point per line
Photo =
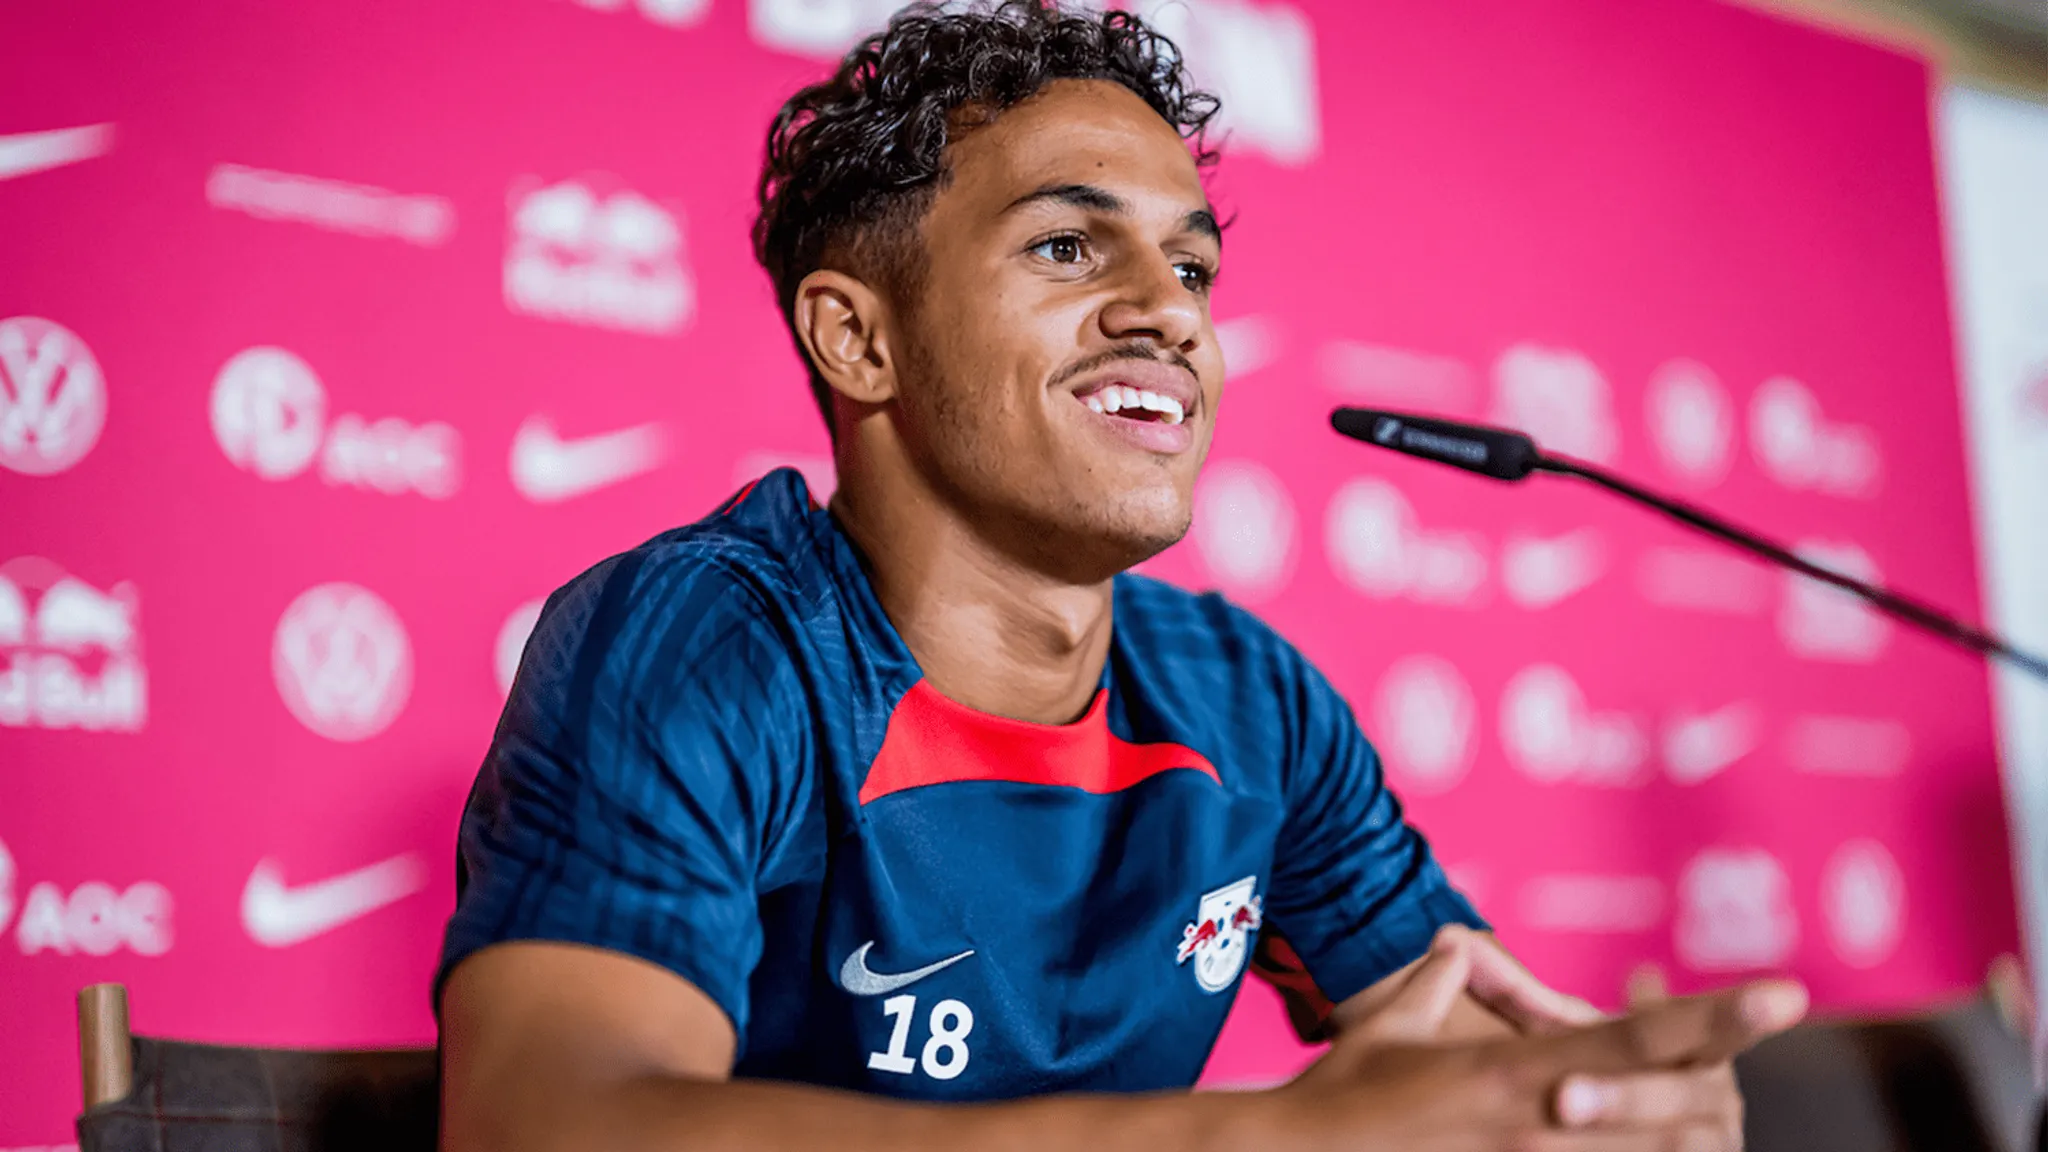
x=1094 y=199
x=1075 y=195
x=1204 y=221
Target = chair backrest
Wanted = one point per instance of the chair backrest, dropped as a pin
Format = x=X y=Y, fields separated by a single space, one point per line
x=182 y=1097
x=1955 y=1080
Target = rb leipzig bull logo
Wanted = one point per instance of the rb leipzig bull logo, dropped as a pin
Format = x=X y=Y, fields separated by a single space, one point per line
x=1220 y=937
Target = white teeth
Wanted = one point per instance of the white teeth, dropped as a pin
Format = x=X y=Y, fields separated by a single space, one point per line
x=1118 y=397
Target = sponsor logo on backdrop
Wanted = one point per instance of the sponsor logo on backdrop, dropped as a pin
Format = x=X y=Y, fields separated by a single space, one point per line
x=1735 y=912
x=1822 y=622
x=1260 y=60
x=1848 y=745
x=70 y=653
x=6 y=886
x=605 y=259
x=667 y=13
x=333 y=205
x=1699 y=746
x=277 y=915
x=1863 y=897
x=1249 y=343
x=1704 y=579
x=824 y=29
x=1587 y=902
x=1379 y=374
x=1538 y=571
x=547 y=469
x=53 y=399
x=1423 y=716
x=512 y=637
x=1377 y=549
x=1692 y=421
x=342 y=662
x=269 y=415
x=1555 y=738
x=1244 y=528
x=1796 y=445
x=26 y=153
x=1558 y=397
x=820 y=474
x=95 y=918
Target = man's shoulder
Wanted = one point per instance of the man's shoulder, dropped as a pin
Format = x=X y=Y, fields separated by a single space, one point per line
x=736 y=582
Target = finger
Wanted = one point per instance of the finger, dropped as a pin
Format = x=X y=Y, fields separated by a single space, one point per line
x=1647 y=985
x=1692 y=1138
x=1678 y=1033
x=1417 y=1012
x=1500 y=982
x=1648 y=1099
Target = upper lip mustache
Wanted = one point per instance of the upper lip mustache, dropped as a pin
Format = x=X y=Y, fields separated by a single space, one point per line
x=1147 y=374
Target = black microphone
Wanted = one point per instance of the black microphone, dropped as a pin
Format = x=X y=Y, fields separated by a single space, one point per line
x=1494 y=452
x=1508 y=455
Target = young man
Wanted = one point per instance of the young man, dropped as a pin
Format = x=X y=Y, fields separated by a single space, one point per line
x=916 y=823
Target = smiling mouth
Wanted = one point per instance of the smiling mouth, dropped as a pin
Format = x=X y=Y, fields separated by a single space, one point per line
x=1140 y=404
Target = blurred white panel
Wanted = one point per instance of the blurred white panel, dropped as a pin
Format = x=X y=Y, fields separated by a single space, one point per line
x=1995 y=158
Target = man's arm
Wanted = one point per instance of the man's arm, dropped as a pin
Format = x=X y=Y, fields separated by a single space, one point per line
x=554 y=1048
x=561 y=1048
x=1502 y=999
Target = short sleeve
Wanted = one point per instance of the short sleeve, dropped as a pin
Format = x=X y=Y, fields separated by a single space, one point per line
x=1356 y=892
x=644 y=766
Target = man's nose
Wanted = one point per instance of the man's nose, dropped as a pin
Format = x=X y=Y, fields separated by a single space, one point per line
x=1152 y=302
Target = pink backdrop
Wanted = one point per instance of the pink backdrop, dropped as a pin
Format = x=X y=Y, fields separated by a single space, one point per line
x=331 y=338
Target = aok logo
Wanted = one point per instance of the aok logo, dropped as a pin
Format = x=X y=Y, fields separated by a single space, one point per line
x=270 y=417
x=1379 y=549
x=94 y=918
x=53 y=400
x=611 y=261
x=342 y=662
x=70 y=654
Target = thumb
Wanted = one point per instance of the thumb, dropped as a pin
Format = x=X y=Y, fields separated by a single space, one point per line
x=1416 y=1013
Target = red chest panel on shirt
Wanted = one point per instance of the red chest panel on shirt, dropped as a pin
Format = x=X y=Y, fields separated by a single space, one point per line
x=932 y=740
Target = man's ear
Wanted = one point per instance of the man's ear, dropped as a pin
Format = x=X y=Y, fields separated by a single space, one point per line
x=844 y=327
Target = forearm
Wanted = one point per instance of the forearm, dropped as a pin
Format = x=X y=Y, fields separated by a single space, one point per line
x=668 y=1114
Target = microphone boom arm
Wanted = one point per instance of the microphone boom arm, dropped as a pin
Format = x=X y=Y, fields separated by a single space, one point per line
x=1890 y=603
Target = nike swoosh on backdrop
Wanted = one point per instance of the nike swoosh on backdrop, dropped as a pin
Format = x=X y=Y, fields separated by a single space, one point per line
x=277 y=917
x=547 y=469
x=23 y=153
x=856 y=977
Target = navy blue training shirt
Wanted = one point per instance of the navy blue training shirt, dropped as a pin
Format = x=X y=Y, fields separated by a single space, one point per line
x=720 y=757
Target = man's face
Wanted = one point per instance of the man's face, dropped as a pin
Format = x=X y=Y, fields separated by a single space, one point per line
x=1059 y=371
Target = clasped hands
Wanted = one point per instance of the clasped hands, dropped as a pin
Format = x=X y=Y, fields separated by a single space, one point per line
x=1657 y=1078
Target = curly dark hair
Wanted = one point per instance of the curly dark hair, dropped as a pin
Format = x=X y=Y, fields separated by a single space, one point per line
x=854 y=161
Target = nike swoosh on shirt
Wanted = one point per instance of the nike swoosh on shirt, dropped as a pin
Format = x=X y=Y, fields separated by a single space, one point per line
x=277 y=917
x=23 y=153
x=856 y=977
x=547 y=469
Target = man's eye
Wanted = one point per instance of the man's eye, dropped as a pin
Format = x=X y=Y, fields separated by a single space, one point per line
x=1060 y=249
x=1196 y=278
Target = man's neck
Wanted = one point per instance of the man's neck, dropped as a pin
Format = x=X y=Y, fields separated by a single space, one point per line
x=987 y=631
